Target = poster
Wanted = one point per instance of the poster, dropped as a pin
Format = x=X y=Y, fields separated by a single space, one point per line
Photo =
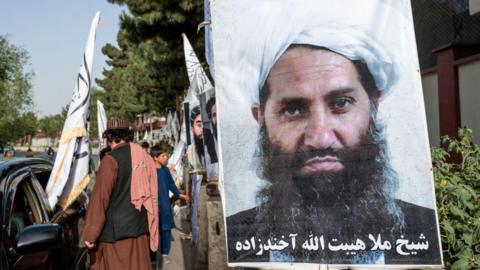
x=323 y=147
x=202 y=152
x=209 y=126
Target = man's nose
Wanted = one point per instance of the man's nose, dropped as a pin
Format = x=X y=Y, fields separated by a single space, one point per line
x=319 y=133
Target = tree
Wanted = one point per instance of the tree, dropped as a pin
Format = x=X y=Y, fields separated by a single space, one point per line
x=148 y=69
x=27 y=124
x=15 y=89
x=52 y=125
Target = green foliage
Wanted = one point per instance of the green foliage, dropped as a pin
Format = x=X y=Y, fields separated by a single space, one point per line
x=27 y=124
x=52 y=125
x=15 y=89
x=457 y=173
x=148 y=69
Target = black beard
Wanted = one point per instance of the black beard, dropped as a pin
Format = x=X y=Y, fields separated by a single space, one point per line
x=325 y=201
x=214 y=128
x=199 y=146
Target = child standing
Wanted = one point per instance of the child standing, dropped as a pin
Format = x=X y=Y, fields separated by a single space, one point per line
x=165 y=184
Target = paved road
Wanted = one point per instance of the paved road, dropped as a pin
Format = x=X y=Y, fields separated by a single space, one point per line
x=18 y=154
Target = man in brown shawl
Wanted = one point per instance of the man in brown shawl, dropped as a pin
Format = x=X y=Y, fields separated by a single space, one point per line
x=115 y=231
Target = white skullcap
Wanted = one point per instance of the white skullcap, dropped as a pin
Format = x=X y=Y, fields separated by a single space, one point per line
x=264 y=39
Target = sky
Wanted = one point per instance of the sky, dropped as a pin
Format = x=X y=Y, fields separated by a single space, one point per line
x=54 y=32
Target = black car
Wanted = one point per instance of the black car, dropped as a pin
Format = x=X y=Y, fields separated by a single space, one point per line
x=33 y=236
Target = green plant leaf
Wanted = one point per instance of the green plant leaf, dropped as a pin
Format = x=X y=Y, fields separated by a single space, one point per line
x=448 y=227
x=461 y=264
x=457 y=188
x=458 y=212
x=468 y=238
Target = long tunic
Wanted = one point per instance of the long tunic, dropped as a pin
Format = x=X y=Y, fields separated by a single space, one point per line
x=130 y=253
x=165 y=184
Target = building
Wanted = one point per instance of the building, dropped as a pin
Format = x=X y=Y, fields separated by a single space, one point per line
x=149 y=127
x=448 y=41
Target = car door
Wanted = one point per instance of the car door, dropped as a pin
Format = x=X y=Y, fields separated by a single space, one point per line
x=21 y=208
x=3 y=258
x=71 y=255
x=40 y=174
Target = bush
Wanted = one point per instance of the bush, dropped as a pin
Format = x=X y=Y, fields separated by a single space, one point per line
x=456 y=169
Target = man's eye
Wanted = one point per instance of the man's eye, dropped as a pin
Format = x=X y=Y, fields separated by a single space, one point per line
x=341 y=103
x=291 y=110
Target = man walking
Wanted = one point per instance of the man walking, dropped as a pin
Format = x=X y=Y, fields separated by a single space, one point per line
x=122 y=209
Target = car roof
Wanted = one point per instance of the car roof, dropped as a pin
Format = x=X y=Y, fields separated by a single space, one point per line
x=10 y=164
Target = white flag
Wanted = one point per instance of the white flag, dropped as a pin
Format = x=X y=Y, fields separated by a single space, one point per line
x=183 y=129
x=168 y=125
x=175 y=127
x=145 y=136
x=177 y=154
x=194 y=69
x=102 y=123
x=191 y=97
x=69 y=176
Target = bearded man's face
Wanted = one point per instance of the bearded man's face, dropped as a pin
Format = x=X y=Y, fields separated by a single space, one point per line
x=361 y=175
x=197 y=127
x=317 y=112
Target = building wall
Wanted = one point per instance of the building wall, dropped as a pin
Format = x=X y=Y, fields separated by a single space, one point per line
x=44 y=142
x=474 y=6
x=469 y=88
x=430 y=95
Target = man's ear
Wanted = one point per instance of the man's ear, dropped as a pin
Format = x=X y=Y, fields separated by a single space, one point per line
x=257 y=113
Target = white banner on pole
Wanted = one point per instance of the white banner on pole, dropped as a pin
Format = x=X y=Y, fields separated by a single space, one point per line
x=175 y=127
x=102 y=123
x=146 y=136
x=194 y=66
x=195 y=71
x=69 y=176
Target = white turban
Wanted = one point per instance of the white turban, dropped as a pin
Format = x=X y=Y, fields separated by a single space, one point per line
x=263 y=39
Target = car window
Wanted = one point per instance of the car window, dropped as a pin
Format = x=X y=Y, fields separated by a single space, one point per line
x=33 y=202
x=24 y=208
x=39 y=192
x=42 y=173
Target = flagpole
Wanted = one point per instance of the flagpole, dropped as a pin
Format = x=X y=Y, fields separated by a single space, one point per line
x=69 y=176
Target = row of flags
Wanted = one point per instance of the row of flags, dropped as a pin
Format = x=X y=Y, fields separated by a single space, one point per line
x=199 y=92
x=70 y=174
x=170 y=132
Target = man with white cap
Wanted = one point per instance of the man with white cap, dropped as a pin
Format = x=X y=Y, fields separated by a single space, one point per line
x=324 y=155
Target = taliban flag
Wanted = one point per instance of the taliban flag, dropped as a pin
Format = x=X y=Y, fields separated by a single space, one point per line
x=199 y=83
x=102 y=123
x=196 y=74
x=69 y=176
